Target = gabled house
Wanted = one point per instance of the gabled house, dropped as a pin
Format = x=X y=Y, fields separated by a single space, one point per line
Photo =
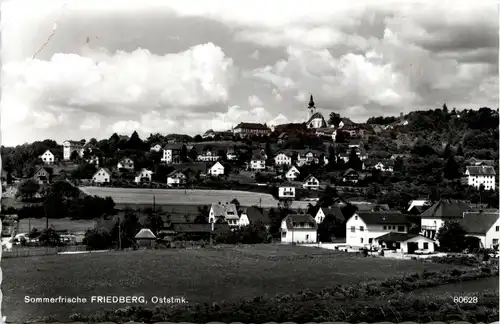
x=363 y=228
x=418 y=206
x=254 y=215
x=43 y=175
x=350 y=175
x=216 y=170
x=311 y=182
x=292 y=174
x=143 y=176
x=125 y=163
x=434 y=217
x=207 y=155
x=71 y=146
x=384 y=165
x=307 y=157
x=481 y=175
x=484 y=224
x=407 y=243
x=176 y=178
x=258 y=162
x=172 y=153
x=156 y=148
x=283 y=158
x=226 y=212
x=231 y=155
x=48 y=157
x=299 y=228
x=335 y=211
x=102 y=175
x=286 y=191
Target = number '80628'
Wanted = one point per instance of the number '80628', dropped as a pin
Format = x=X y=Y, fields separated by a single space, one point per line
x=465 y=299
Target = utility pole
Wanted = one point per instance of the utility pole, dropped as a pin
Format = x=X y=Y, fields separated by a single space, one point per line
x=154 y=203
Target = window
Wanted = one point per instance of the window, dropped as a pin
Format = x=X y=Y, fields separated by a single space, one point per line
x=353 y=229
x=356 y=217
x=495 y=241
x=497 y=228
x=385 y=227
x=398 y=245
x=307 y=237
x=361 y=228
x=401 y=228
x=426 y=245
x=283 y=234
x=361 y=240
x=370 y=240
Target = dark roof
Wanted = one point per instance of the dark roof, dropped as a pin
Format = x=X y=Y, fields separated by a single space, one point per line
x=176 y=172
x=348 y=171
x=258 y=156
x=200 y=228
x=173 y=146
x=479 y=222
x=481 y=170
x=47 y=169
x=447 y=208
x=335 y=211
x=300 y=218
x=392 y=217
x=251 y=126
x=387 y=162
x=254 y=215
x=372 y=207
x=396 y=237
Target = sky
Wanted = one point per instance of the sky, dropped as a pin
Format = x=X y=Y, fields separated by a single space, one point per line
x=81 y=69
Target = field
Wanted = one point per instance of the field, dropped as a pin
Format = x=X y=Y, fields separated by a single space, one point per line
x=203 y=275
x=188 y=197
x=80 y=225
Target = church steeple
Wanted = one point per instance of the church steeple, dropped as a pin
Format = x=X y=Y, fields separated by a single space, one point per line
x=311 y=109
x=311 y=102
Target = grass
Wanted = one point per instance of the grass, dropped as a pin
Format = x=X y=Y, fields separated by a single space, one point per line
x=72 y=225
x=205 y=275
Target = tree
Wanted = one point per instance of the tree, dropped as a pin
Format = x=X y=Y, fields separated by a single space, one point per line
x=183 y=154
x=445 y=108
x=399 y=165
x=96 y=239
x=451 y=169
x=341 y=137
x=135 y=142
x=236 y=203
x=49 y=237
x=330 y=228
x=154 y=222
x=28 y=188
x=451 y=237
x=354 y=161
x=460 y=150
x=334 y=119
x=74 y=156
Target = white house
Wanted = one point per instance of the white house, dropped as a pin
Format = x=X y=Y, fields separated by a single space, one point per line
x=292 y=173
x=485 y=225
x=143 y=176
x=156 y=148
x=226 y=211
x=252 y=215
x=310 y=182
x=258 y=162
x=208 y=156
x=434 y=217
x=231 y=155
x=47 y=157
x=282 y=159
x=69 y=147
x=126 y=163
x=320 y=216
x=171 y=153
x=307 y=157
x=405 y=242
x=102 y=175
x=385 y=165
x=176 y=178
x=299 y=228
x=363 y=228
x=286 y=191
x=216 y=169
x=322 y=212
x=481 y=175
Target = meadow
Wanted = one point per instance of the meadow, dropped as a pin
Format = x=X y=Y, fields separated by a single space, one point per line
x=201 y=275
x=71 y=225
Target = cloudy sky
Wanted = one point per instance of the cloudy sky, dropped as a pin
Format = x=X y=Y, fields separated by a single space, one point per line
x=80 y=69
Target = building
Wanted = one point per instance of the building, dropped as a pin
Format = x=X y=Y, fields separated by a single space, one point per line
x=334 y=211
x=216 y=170
x=231 y=155
x=43 y=175
x=307 y=157
x=311 y=182
x=145 y=238
x=350 y=175
x=283 y=159
x=363 y=227
x=254 y=215
x=125 y=163
x=434 y=217
x=143 y=176
x=102 y=175
x=418 y=206
x=286 y=191
x=172 y=153
x=176 y=178
x=299 y=228
x=224 y=211
x=208 y=155
x=405 y=242
x=245 y=129
x=314 y=118
x=48 y=157
x=155 y=148
x=485 y=225
x=209 y=134
x=292 y=174
x=258 y=162
x=72 y=146
x=384 y=165
x=481 y=175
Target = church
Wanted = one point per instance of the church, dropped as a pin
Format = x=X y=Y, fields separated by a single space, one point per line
x=314 y=119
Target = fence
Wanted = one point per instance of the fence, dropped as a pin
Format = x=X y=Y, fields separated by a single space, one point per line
x=18 y=252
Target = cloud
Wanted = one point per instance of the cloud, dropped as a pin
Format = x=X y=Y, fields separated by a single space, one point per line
x=91 y=122
x=254 y=101
x=255 y=55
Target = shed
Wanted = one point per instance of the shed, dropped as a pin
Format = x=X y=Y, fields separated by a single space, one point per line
x=407 y=242
x=145 y=238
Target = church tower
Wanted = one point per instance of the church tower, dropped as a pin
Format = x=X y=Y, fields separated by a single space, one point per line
x=311 y=109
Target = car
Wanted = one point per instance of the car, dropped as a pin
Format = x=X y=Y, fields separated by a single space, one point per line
x=423 y=251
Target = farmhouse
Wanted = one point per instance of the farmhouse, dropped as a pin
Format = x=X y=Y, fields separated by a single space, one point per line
x=125 y=163
x=405 y=242
x=363 y=228
x=286 y=191
x=258 y=162
x=481 y=175
x=143 y=176
x=71 y=146
x=310 y=182
x=102 y=175
x=176 y=178
x=350 y=175
x=434 y=217
x=283 y=159
x=299 y=228
x=216 y=170
x=172 y=153
x=48 y=157
x=307 y=157
x=485 y=225
x=244 y=129
x=224 y=212
x=292 y=173
x=254 y=215
x=43 y=175
x=208 y=155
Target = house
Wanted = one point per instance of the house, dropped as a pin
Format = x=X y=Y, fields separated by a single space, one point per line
x=363 y=227
x=253 y=215
x=434 y=217
x=286 y=191
x=292 y=173
x=283 y=159
x=93 y=159
x=225 y=212
x=485 y=225
x=315 y=119
x=355 y=144
x=155 y=148
x=172 y=153
x=335 y=211
x=43 y=175
x=477 y=162
x=209 y=134
x=299 y=228
x=231 y=155
x=481 y=175
x=71 y=146
x=102 y=175
x=327 y=132
x=244 y=129
x=125 y=163
x=48 y=157
x=216 y=170
x=258 y=162
x=282 y=137
x=350 y=175
x=418 y=206
x=385 y=165
x=176 y=178
x=307 y=157
x=405 y=242
x=143 y=176
x=310 y=182
x=208 y=155
x=145 y=238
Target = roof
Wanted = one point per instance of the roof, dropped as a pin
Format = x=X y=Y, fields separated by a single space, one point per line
x=299 y=218
x=335 y=211
x=258 y=156
x=200 y=228
x=372 y=207
x=382 y=217
x=397 y=237
x=481 y=170
x=348 y=171
x=252 y=126
x=216 y=164
x=479 y=222
x=254 y=215
x=293 y=167
x=173 y=146
x=317 y=115
x=47 y=169
x=309 y=177
x=387 y=162
x=446 y=208
x=145 y=233
x=220 y=209
x=176 y=172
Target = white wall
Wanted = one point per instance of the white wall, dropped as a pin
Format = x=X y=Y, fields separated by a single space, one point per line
x=101 y=177
x=299 y=235
x=282 y=159
x=286 y=192
x=487 y=181
x=368 y=232
x=320 y=216
x=493 y=234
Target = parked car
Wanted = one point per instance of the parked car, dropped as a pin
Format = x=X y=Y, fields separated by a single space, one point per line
x=423 y=251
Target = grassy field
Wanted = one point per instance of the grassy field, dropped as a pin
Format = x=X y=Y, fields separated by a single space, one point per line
x=189 y=197
x=205 y=275
x=80 y=225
